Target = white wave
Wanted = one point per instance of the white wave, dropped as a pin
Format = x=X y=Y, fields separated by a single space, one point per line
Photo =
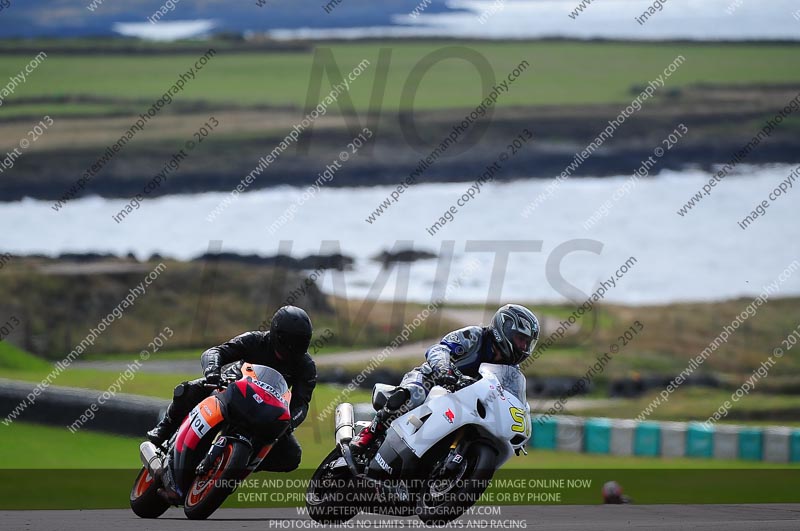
x=608 y=19
x=165 y=31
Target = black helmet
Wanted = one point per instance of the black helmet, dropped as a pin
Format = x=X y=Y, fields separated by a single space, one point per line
x=515 y=331
x=290 y=332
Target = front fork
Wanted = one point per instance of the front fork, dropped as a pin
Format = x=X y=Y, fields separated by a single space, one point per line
x=455 y=457
x=222 y=440
x=214 y=453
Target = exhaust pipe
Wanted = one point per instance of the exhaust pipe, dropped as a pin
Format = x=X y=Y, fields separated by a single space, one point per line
x=344 y=423
x=150 y=459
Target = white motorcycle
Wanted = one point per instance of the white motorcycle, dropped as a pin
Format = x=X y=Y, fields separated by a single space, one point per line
x=435 y=460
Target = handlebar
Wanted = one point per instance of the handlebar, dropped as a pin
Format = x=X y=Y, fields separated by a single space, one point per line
x=463 y=382
x=224 y=382
x=466 y=381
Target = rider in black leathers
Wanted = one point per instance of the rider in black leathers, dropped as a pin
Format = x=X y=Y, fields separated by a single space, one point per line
x=284 y=347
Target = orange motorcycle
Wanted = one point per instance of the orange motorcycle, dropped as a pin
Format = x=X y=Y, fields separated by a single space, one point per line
x=223 y=440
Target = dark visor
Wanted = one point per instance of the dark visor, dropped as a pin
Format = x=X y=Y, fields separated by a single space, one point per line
x=292 y=344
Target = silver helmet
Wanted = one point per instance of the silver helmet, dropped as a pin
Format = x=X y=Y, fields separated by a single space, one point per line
x=515 y=331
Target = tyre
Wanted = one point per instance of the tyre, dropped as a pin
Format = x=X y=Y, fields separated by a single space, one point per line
x=328 y=491
x=447 y=495
x=208 y=492
x=145 y=501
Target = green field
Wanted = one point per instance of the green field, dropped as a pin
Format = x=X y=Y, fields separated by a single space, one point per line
x=316 y=436
x=193 y=354
x=561 y=73
x=48 y=458
x=36 y=446
x=671 y=336
x=700 y=403
x=19 y=365
x=45 y=447
x=53 y=469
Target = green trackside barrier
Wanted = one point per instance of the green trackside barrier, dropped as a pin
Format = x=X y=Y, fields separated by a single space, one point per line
x=647 y=439
x=751 y=444
x=699 y=440
x=597 y=436
x=544 y=433
x=794 y=446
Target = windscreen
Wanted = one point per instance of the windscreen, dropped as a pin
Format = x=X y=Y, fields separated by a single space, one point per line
x=510 y=377
x=273 y=382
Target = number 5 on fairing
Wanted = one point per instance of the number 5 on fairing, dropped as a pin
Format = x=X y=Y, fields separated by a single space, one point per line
x=520 y=421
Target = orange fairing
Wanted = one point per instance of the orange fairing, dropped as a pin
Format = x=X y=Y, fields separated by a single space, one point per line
x=201 y=421
x=210 y=410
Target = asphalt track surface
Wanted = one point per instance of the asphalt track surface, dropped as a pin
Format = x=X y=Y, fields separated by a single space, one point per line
x=567 y=517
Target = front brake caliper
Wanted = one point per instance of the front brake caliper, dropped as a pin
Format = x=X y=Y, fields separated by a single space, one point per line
x=211 y=457
x=454 y=460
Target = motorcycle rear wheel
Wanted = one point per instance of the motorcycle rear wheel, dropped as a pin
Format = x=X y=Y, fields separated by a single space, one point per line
x=145 y=501
x=327 y=493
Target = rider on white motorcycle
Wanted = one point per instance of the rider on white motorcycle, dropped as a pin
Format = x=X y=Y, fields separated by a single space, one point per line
x=508 y=340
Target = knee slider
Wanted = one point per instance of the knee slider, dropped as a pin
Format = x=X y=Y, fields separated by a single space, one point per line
x=293 y=460
x=417 y=396
x=289 y=460
x=398 y=397
x=180 y=390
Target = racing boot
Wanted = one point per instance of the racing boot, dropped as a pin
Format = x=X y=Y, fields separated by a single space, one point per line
x=163 y=430
x=393 y=409
x=363 y=440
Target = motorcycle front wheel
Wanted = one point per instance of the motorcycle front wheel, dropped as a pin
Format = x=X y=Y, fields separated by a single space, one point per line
x=208 y=492
x=448 y=494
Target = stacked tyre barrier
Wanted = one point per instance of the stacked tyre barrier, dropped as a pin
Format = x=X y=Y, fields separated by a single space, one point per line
x=121 y=414
x=665 y=439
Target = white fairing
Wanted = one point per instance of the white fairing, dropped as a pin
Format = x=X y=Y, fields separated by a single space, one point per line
x=507 y=414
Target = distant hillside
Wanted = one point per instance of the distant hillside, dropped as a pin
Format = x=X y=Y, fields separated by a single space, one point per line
x=38 y=19
x=566 y=96
x=56 y=303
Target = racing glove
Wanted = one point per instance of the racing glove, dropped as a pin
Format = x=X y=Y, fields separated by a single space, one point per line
x=213 y=374
x=446 y=375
